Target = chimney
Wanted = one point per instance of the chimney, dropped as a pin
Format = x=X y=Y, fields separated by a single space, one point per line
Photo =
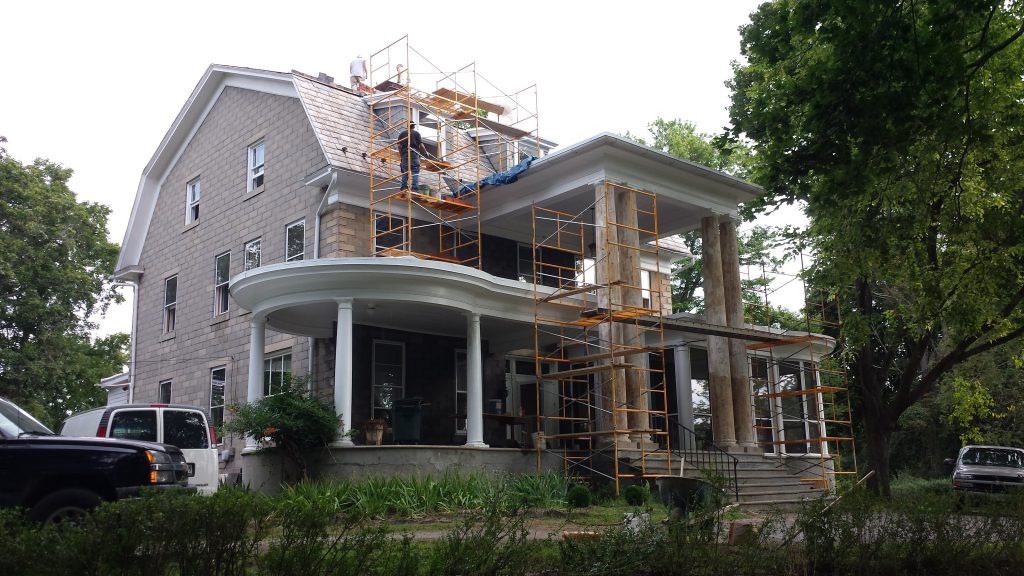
x=325 y=78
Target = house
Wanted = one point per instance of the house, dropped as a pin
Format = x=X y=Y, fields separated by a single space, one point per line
x=269 y=237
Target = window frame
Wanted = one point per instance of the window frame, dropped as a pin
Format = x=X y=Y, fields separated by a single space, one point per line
x=398 y=391
x=246 y=262
x=287 y=241
x=256 y=172
x=220 y=287
x=193 y=195
x=268 y=370
x=217 y=410
x=170 y=314
x=461 y=377
x=391 y=230
x=165 y=385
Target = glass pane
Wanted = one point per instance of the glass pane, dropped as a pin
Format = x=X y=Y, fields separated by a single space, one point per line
x=223 y=268
x=171 y=290
x=252 y=255
x=257 y=155
x=387 y=353
x=185 y=429
x=217 y=387
x=134 y=425
x=296 y=241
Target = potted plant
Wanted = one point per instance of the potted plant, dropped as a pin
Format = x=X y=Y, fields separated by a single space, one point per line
x=375 y=431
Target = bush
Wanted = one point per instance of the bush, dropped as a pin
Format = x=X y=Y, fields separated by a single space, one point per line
x=293 y=419
x=578 y=497
x=636 y=495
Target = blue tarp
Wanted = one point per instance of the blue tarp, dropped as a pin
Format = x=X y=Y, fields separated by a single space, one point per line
x=507 y=177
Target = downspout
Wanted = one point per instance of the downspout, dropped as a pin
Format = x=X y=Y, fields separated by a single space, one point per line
x=310 y=341
x=135 y=315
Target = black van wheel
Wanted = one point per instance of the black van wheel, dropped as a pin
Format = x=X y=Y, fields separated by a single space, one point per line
x=68 y=505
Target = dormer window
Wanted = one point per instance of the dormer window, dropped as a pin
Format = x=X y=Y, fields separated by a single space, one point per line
x=256 y=164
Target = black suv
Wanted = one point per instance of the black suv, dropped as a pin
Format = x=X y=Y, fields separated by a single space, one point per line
x=57 y=477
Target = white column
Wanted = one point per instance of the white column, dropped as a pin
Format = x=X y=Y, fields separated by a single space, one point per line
x=474 y=384
x=684 y=395
x=343 y=371
x=257 y=342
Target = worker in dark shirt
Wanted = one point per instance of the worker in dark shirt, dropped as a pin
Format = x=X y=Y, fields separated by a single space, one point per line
x=410 y=146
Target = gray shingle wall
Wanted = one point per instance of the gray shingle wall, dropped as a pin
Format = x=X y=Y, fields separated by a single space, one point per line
x=229 y=217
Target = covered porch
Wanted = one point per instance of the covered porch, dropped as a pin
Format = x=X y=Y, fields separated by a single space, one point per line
x=388 y=329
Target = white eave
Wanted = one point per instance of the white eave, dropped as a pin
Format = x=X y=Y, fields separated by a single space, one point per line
x=116 y=381
x=189 y=119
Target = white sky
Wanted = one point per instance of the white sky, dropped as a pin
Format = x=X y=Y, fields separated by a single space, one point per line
x=94 y=86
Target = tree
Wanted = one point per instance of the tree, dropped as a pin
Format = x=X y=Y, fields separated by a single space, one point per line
x=757 y=247
x=55 y=260
x=899 y=124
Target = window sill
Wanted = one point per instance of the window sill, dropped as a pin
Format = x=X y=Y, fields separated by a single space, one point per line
x=255 y=192
x=167 y=336
x=220 y=318
x=190 y=226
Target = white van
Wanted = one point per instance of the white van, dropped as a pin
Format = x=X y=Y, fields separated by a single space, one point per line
x=183 y=426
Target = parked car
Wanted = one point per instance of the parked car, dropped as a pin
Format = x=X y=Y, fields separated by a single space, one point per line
x=58 y=478
x=186 y=427
x=988 y=468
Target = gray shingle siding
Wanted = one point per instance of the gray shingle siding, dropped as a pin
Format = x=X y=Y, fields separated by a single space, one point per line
x=229 y=217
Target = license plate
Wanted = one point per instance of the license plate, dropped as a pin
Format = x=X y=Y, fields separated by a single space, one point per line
x=191 y=469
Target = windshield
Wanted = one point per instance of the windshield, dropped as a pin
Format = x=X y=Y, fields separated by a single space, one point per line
x=993 y=457
x=14 y=421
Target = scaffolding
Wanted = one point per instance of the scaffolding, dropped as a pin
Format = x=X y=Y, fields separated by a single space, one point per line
x=601 y=402
x=468 y=135
x=801 y=397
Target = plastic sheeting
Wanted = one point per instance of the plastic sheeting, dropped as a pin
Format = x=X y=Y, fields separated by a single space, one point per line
x=507 y=177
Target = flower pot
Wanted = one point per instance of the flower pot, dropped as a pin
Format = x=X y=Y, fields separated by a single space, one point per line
x=374 y=436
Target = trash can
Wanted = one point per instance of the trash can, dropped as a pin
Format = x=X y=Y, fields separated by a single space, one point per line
x=406 y=420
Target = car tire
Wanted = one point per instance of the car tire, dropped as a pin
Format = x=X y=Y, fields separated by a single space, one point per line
x=68 y=505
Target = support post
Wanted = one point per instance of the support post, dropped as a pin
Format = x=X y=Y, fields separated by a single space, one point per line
x=743 y=414
x=257 y=342
x=722 y=420
x=474 y=384
x=343 y=372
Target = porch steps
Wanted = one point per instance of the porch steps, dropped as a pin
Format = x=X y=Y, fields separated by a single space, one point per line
x=764 y=482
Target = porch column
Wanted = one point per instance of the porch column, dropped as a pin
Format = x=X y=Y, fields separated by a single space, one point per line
x=343 y=372
x=684 y=396
x=474 y=384
x=257 y=342
x=742 y=408
x=720 y=384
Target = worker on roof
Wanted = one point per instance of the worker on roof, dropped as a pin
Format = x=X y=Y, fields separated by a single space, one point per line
x=410 y=146
x=357 y=71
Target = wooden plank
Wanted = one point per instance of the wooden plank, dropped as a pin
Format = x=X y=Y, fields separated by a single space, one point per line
x=447 y=204
x=582 y=371
x=428 y=164
x=784 y=341
x=603 y=356
x=469 y=100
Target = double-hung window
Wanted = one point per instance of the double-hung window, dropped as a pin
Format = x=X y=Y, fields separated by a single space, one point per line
x=217 y=380
x=256 y=165
x=276 y=371
x=222 y=273
x=295 y=241
x=165 y=392
x=388 y=232
x=170 y=303
x=192 y=195
x=388 y=377
x=252 y=254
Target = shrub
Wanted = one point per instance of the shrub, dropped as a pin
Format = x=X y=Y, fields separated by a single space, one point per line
x=636 y=495
x=293 y=419
x=578 y=497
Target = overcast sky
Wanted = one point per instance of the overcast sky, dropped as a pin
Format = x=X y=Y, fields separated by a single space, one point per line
x=94 y=86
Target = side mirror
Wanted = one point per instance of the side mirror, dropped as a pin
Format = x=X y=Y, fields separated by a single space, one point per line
x=949 y=461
